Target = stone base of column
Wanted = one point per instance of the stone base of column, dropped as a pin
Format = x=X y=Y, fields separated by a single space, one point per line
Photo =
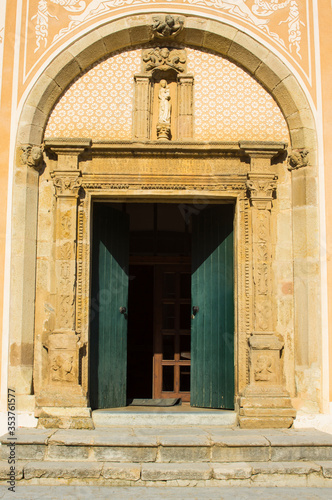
x=265 y=409
x=64 y=418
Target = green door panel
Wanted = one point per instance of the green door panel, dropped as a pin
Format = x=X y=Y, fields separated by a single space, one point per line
x=212 y=328
x=109 y=292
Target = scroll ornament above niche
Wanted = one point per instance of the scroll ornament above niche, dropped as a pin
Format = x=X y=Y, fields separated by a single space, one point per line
x=164 y=59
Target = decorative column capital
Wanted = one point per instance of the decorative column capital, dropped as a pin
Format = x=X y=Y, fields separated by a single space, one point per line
x=67 y=183
x=261 y=188
x=32 y=156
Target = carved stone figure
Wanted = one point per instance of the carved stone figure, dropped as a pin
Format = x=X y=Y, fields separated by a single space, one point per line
x=298 y=159
x=164 y=112
x=165 y=106
x=167 y=26
x=33 y=156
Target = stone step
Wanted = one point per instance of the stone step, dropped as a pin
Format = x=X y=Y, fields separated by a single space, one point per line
x=168 y=445
x=318 y=474
x=178 y=416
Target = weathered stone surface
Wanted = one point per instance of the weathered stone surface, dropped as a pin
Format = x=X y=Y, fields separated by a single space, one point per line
x=5 y=469
x=326 y=468
x=126 y=471
x=158 y=472
x=24 y=452
x=239 y=454
x=29 y=436
x=238 y=470
x=289 y=453
x=285 y=467
x=184 y=453
x=124 y=453
x=62 y=470
x=68 y=452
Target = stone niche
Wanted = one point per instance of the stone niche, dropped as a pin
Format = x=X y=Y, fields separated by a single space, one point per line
x=163 y=108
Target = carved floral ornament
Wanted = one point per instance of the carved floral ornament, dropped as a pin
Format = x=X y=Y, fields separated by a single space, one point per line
x=32 y=156
x=67 y=183
x=261 y=188
x=164 y=59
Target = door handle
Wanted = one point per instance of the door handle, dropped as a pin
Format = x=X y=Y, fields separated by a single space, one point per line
x=195 y=311
x=123 y=310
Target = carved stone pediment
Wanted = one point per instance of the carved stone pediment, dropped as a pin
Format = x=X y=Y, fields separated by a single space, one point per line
x=167 y=26
x=164 y=59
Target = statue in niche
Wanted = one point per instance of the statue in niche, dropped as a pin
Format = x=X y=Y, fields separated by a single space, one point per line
x=164 y=103
x=164 y=111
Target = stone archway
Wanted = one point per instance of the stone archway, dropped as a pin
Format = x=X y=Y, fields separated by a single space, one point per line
x=210 y=35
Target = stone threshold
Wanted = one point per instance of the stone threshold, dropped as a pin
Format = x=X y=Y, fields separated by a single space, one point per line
x=181 y=416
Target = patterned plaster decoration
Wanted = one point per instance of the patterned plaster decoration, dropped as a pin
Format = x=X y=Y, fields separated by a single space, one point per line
x=164 y=59
x=166 y=26
x=298 y=159
x=42 y=17
x=229 y=104
x=258 y=13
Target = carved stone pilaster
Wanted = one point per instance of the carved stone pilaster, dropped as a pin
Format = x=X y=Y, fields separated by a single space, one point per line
x=264 y=403
x=185 y=107
x=142 y=107
x=63 y=344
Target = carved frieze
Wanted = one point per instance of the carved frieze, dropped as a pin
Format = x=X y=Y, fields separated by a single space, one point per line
x=298 y=159
x=167 y=26
x=32 y=156
x=164 y=59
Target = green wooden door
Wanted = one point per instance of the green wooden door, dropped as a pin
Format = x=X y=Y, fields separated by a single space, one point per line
x=109 y=293
x=212 y=337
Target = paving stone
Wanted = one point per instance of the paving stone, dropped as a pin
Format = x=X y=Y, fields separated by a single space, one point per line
x=236 y=439
x=237 y=470
x=174 y=439
x=125 y=453
x=240 y=454
x=64 y=470
x=103 y=437
x=29 y=436
x=184 y=453
x=160 y=471
x=5 y=469
x=126 y=471
x=300 y=437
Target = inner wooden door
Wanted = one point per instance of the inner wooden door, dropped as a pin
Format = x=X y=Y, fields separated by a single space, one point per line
x=172 y=342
